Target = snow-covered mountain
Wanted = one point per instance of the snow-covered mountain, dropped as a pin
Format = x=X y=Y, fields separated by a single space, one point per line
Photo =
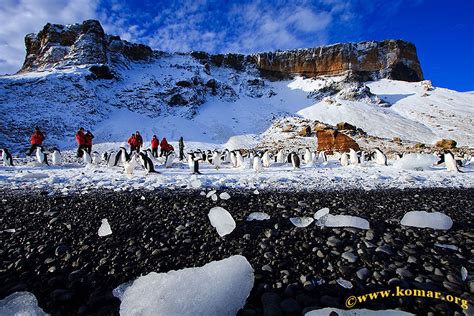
x=77 y=75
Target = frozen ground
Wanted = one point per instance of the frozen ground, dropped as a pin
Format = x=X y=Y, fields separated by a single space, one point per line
x=73 y=176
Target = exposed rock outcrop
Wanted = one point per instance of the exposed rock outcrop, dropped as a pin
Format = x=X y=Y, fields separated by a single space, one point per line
x=331 y=140
x=446 y=143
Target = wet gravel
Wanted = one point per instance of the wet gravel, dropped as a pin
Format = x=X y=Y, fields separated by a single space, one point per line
x=56 y=254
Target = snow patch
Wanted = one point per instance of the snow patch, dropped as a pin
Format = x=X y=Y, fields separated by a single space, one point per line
x=416 y=162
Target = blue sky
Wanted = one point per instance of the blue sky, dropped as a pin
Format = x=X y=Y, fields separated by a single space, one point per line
x=442 y=31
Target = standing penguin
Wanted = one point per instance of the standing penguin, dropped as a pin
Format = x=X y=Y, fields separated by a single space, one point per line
x=257 y=164
x=322 y=156
x=41 y=156
x=233 y=159
x=56 y=157
x=240 y=159
x=147 y=163
x=354 y=158
x=129 y=166
x=193 y=163
x=450 y=162
x=266 y=160
x=308 y=156
x=170 y=159
x=281 y=156
x=216 y=159
x=86 y=157
x=105 y=157
x=7 y=158
x=363 y=156
x=295 y=160
x=95 y=158
x=380 y=157
x=344 y=159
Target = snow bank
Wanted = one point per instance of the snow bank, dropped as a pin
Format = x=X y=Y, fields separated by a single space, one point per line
x=301 y=221
x=258 y=216
x=416 y=161
x=217 y=288
x=355 y=312
x=343 y=221
x=422 y=219
x=20 y=303
x=221 y=220
x=241 y=141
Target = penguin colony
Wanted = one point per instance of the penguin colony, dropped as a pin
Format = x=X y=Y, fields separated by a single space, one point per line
x=248 y=159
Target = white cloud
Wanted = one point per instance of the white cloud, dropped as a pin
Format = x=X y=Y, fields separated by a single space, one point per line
x=29 y=16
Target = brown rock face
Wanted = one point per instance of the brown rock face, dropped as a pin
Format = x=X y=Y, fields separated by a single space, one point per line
x=331 y=140
x=57 y=46
x=446 y=143
x=392 y=59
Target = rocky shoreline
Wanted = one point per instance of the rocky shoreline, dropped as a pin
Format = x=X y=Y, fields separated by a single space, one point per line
x=56 y=254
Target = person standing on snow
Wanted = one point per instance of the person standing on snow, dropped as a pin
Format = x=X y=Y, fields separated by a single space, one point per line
x=155 y=143
x=181 y=148
x=132 y=141
x=88 y=141
x=81 y=142
x=165 y=147
x=138 y=141
x=36 y=141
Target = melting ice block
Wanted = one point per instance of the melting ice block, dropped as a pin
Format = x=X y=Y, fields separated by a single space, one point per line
x=422 y=219
x=221 y=220
x=301 y=221
x=217 y=288
x=258 y=216
x=20 y=303
x=329 y=220
x=104 y=229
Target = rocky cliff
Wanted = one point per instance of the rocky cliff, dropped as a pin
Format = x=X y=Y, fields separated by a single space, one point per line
x=59 y=46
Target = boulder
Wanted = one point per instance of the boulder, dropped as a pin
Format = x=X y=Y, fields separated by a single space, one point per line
x=345 y=126
x=320 y=127
x=305 y=131
x=331 y=140
x=446 y=143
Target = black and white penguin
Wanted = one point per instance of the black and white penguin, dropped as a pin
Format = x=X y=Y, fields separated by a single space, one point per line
x=170 y=159
x=56 y=157
x=95 y=158
x=105 y=157
x=86 y=157
x=193 y=163
x=344 y=159
x=288 y=158
x=147 y=163
x=354 y=158
x=295 y=160
x=450 y=162
x=41 y=156
x=7 y=158
x=380 y=157
x=216 y=159
x=122 y=156
x=322 y=156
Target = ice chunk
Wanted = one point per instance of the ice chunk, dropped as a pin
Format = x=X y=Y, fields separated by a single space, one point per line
x=224 y=196
x=221 y=220
x=104 y=229
x=196 y=184
x=217 y=288
x=416 y=161
x=464 y=273
x=343 y=221
x=21 y=304
x=422 y=219
x=344 y=283
x=258 y=216
x=301 y=221
x=322 y=212
x=355 y=312
x=210 y=193
x=214 y=197
x=256 y=192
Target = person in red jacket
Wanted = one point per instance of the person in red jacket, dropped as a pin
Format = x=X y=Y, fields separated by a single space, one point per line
x=139 y=140
x=132 y=141
x=81 y=142
x=155 y=143
x=88 y=141
x=36 y=141
x=165 y=147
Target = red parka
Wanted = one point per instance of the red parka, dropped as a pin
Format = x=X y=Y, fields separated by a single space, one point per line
x=155 y=143
x=132 y=141
x=88 y=139
x=37 y=138
x=164 y=145
x=80 y=138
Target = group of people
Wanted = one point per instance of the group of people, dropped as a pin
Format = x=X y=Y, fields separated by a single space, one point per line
x=84 y=142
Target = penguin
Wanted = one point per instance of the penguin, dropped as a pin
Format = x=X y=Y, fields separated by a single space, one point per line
x=450 y=162
x=344 y=159
x=398 y=156
x=95 y=158
x=216 y=159
x=169 y=159
x=129 y=165
x=86 y=157
x=295 y=160
x=193 y=163
x=56 y=157
x=147 y=163
x=209 y=157
x=240 y=159
x=363 y=156
x=308 y=156
x=226 y=156
x=7 y=158
x=380 y=157
x=111 y=158
x=354 y=158
x=105 y=157
x=322 y=156
x=288 y=157
x=257 y=164
x=280 y=156
x=125 y=156
x=266 y=160
x=41 y=156
x=233 y=159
